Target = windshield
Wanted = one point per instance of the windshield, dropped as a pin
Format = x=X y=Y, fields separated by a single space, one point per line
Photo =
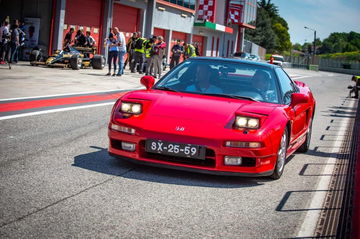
x=223 y=79
x=278 y=58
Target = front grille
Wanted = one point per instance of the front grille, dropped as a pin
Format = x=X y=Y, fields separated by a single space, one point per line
x=207 y=162
x=248 y=162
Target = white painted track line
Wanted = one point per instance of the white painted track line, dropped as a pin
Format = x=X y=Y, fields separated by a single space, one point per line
x=54 y=110
x=70 y=94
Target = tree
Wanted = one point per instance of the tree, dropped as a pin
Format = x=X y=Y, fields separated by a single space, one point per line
x=269 y=7
x=297 y=47
x=271 y=29
x=263 y=35
x=341 y=42
x=283 y=42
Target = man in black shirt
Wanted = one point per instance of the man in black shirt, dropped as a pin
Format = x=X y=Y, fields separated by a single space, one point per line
x=68 y=37
x=176 y=50
x=80 y=39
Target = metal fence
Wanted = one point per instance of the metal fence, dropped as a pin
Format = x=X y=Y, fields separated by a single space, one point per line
x=333 y=65
x=255 y=49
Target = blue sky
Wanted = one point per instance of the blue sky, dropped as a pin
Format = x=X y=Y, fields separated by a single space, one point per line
x=325 y=16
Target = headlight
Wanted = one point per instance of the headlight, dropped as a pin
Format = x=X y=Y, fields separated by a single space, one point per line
x=131 y=108
x=247 y=122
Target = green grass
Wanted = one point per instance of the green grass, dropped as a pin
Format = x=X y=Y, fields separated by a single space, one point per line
x=346 y=56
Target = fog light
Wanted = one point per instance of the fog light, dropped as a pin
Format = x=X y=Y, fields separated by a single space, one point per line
x=128 y=146
x=122 y=129
x=230 y=160
x=239 y=144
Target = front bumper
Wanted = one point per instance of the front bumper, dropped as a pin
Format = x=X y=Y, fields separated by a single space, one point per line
x=256 y=161
x=194 y=170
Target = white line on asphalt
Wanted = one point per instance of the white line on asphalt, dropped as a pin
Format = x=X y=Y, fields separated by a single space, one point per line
x=309 y=224
x=299 y=77
x=69 y=94
x=54 y=111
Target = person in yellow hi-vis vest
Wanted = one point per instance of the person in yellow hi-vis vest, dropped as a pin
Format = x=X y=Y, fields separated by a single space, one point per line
x=139 y=54
x=149 y=52
x=189 y=51
x=356 y=87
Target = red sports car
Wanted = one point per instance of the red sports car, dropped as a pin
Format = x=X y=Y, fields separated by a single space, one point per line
x=215 y=115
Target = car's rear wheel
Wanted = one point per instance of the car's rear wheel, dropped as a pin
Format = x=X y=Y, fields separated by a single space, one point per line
x=281 y=156
x=98 y=62
x=306 y=145
x=75 y=62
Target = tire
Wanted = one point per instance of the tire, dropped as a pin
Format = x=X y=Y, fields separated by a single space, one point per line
x=75 y=62
x=281 y=156
x=98 y=62
x=306 y=145
x=34 y=56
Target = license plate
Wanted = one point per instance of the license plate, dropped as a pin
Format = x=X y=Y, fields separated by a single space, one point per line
x=175 y=149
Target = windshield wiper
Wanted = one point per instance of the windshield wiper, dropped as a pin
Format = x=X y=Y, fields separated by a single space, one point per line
x=231 y=96
x=165 y=88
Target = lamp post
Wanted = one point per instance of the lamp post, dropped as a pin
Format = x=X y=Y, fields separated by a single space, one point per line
x=314 y=38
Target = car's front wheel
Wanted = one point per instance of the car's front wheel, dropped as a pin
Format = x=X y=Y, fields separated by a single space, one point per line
x=306 y=145
x=281 y=157
x=75 y=62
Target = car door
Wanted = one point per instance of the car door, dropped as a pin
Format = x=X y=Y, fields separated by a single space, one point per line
x=297 y=113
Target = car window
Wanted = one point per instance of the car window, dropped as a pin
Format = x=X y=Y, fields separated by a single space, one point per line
x=286 y=85
x=277 y=58
x=225 y=78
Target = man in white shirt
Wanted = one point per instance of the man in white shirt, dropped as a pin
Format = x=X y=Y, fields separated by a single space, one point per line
x=4 y=41
x=122 y=49
x=202 y=81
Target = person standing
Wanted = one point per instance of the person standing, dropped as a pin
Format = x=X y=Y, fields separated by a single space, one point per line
x=189 y=50
x=113 y=53
x=356 y=87
x=122 y=50
x=159 y=51
x=4 y=42
x=139 y=54
x=90 y=41
x=68 y=38
x=176 y=50
x=14 y=43
x=130 y=47
x=149 y=55
x=80 y=39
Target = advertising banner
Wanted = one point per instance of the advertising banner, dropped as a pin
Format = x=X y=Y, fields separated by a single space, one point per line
x=206 y=10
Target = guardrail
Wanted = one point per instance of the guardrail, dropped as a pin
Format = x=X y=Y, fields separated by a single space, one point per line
x=339 y=66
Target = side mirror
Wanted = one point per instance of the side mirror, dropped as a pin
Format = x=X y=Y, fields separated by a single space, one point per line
x=350 y=87
x=298 y=98
x=147 y=81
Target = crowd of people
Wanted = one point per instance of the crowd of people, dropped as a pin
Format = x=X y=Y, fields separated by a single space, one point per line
x=145 y=56
x=80 y=39
x=12 y=37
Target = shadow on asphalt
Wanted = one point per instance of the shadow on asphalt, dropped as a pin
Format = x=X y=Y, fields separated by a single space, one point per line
x=99 y=74
x=100 y=161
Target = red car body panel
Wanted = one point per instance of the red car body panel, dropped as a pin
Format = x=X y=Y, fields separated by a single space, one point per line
x=208 y=121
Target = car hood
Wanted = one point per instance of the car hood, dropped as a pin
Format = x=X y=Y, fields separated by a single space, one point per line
x=168 y=110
